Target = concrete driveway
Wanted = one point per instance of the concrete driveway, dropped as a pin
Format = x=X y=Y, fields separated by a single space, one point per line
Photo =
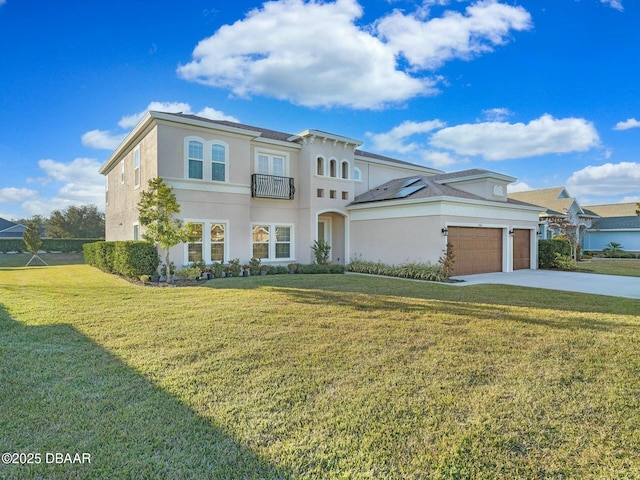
x=613 y=285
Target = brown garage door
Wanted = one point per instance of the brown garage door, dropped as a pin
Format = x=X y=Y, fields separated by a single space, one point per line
x=521 y=249
x=477 y=250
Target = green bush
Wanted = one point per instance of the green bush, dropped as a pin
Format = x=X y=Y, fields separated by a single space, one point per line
x=547 y=250
x=192 y=272
x=134 y=258
x=319 y=268
x=416 y=270
x=564 y=262
x=130 y=258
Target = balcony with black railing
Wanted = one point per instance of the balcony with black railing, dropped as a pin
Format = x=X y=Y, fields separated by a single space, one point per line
x=272 y=186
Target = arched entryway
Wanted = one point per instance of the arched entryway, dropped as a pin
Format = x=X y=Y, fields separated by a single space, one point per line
x=331 y=226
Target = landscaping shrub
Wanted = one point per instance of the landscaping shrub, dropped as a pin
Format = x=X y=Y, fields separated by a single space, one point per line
x=547 y=250
x=135 y=258
x=130 y=258
x=319 y=268
x=64 y=245
x=564 y=262
x=415 y=270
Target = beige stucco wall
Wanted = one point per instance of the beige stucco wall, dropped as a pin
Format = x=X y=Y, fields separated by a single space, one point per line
x=406 y=232
x=121 y=212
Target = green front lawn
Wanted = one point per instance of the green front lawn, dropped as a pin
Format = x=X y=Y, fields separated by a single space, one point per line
x=315 y=376
x=611 y=266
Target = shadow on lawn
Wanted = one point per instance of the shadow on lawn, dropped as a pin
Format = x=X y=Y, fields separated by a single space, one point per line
x=63 y=393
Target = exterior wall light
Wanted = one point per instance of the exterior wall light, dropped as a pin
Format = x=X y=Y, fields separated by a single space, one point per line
x=511 y=233
x=445 y=231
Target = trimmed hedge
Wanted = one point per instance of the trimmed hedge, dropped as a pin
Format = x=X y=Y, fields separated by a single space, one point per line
x=547 y=250
x=65 y=245
x=129 y=258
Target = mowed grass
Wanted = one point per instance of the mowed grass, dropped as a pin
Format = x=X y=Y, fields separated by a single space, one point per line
x=316 y=376
x=612 y=266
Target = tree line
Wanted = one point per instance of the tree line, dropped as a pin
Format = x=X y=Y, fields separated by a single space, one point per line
x=84 y=221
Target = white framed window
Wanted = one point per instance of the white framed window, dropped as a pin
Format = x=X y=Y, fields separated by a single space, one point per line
x=194 y=247
x=210 y=242
x=106 y=189
x=195 y=159
x=272 y=163
x=136 y=167
x=217 y=242
x=272 y=242
x=218 y=162
x=357 y=174
x=122 y=171
x=136 y=231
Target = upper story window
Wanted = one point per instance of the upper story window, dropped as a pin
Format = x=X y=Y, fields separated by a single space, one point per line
x=122 y=171
x=357 y=174
x=206 y=160
x=320 y=166
x=344 y=170
x=136 y=167
x=332 y=168
x=106 y=189
x=272 y=164
x=195 y=159
x=218 y=162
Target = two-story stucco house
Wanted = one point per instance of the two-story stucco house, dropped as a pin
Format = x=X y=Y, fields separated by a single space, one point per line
x=254 y=192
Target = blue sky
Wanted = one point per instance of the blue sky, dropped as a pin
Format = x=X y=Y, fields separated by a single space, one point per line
x=547 y=91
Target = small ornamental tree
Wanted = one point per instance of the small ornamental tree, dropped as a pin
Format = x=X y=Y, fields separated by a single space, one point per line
x=157 y=208
x=32 y=240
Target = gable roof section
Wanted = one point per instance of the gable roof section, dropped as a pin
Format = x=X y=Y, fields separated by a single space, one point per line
x=553 y=201
x=9 y=229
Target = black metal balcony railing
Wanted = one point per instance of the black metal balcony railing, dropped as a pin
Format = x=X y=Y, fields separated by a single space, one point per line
x=271 y=186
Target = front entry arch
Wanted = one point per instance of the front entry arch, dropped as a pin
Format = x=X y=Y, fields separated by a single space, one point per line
x=332 y=227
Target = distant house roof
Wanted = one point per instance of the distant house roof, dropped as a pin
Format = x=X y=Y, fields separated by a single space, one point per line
x=425 y=186
x=614 y=209
x=554 y=201
x=9 y=229
x=627 y=222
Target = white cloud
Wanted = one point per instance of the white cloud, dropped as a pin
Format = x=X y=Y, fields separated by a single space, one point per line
x=518 y=187
x=395 y=140
x=102 y=139
x=73 y=183
x=130 y=121
x=606 y=180
x=105 y=139
x=496 y=114
x=16 y=195
x=501 y=140
x=314 y=54
x=617 y=4
x=428 y=44
x=441 y=159
x=627 y=124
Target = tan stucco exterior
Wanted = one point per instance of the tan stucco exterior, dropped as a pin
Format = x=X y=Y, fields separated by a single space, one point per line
x=322 y=168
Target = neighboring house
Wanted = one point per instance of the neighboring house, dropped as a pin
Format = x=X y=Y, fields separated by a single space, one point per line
x=254 y=192
x=608 y=223
x=10 y=229
x=616 y=223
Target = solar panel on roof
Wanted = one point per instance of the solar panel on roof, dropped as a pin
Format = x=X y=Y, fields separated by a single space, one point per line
x=409 y=181
x=406 y=191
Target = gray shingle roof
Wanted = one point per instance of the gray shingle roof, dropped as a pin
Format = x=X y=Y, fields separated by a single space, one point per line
x=616 y=223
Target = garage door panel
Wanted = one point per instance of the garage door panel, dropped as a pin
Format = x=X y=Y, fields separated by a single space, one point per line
x=477 y=250
x=521 y=249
